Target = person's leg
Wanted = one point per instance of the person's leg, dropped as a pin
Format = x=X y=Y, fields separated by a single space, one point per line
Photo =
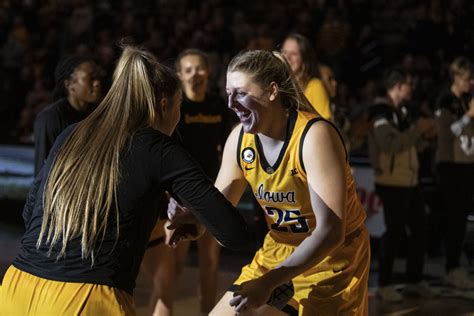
x=159 y=264
x=180 y=254
x=208 y=251
x=454 y=194
x=265 y=258
x=416 y=221
x=392 y=199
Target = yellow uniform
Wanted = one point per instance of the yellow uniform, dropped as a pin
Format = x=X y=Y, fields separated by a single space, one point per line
x=43 y=297
x=337 y=285
x=317 y=95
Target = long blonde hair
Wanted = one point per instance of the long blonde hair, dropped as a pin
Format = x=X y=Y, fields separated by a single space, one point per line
x=80 y=193
x=265 y=67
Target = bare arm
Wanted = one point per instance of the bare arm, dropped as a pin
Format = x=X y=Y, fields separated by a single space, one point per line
x=230 y=180
x=324 y=158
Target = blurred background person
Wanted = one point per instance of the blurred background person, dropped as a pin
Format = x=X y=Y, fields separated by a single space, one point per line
x=77 y=90
x=303 y=62
x=455 y=164
x=393 y=144
x=339 y=112
x=202 y=130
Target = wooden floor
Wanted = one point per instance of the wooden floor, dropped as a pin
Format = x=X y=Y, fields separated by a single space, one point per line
x=449 y=302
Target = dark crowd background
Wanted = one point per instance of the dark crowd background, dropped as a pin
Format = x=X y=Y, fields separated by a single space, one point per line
x=357 y=38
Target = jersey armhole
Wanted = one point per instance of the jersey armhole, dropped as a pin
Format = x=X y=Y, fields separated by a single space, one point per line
x=239 y=146
x=305 y=131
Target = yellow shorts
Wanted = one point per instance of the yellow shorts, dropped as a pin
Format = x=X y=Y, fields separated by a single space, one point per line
x=25 y=294
x=336 y=286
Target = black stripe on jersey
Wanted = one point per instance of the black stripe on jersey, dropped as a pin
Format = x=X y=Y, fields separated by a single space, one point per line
x=306 y=129
x=239 y=146
x=290 y=127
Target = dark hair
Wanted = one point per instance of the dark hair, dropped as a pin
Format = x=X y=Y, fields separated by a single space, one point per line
x=466 y=98
x=308 y=56
x=394 y=76
x=63 y=71
x=191 y=51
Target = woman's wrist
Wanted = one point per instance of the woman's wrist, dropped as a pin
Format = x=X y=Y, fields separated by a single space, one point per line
x=275 y=277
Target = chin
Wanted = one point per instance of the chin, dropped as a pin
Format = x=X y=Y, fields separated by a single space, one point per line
x=249 y=129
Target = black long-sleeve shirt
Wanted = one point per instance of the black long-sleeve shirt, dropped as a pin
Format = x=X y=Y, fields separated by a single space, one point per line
x=203 y=130
x=49 y=123
x=151 y=164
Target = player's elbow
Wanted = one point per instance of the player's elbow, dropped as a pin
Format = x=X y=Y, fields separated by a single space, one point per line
x=334 y=233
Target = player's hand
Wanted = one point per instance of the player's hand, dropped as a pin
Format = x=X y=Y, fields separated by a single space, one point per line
x=250 y=295
x=183 y=225
x=174 y=208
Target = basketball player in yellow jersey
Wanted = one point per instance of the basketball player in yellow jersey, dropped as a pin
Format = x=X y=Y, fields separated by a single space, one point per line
x=297 y=167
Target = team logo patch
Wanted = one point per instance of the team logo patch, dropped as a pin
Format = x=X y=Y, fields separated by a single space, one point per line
x=294 y=172
x=248 y=155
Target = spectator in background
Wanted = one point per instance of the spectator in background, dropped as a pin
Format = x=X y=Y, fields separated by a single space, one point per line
x=77 y=90
x=455 y=164
x=302 y=59
x=329 y=80
x=339 y=113
x=393 y=144
x=203 y=129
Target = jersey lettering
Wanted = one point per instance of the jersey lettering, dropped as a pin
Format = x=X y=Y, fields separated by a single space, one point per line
x=275 y=197
x=289 y=218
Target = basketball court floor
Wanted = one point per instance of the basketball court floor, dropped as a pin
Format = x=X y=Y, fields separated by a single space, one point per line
x=448 y=302
x=16 y=176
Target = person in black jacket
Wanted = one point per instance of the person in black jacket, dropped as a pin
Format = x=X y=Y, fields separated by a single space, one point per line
x=202 y=130
x=455 y=164
x=77 y=90
x=95 y=202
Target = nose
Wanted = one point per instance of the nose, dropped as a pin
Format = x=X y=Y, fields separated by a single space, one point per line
x=231 y=101
x=96 y=84
x=194 y=72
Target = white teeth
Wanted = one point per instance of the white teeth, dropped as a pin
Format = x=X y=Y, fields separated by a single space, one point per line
x=243 y=115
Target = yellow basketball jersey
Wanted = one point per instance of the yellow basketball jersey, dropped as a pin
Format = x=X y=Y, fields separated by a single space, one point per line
x=282 y=189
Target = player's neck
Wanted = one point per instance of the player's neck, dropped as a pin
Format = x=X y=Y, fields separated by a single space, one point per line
x=195 y=96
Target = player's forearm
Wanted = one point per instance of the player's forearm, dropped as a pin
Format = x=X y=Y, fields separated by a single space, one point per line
x=313 y=250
